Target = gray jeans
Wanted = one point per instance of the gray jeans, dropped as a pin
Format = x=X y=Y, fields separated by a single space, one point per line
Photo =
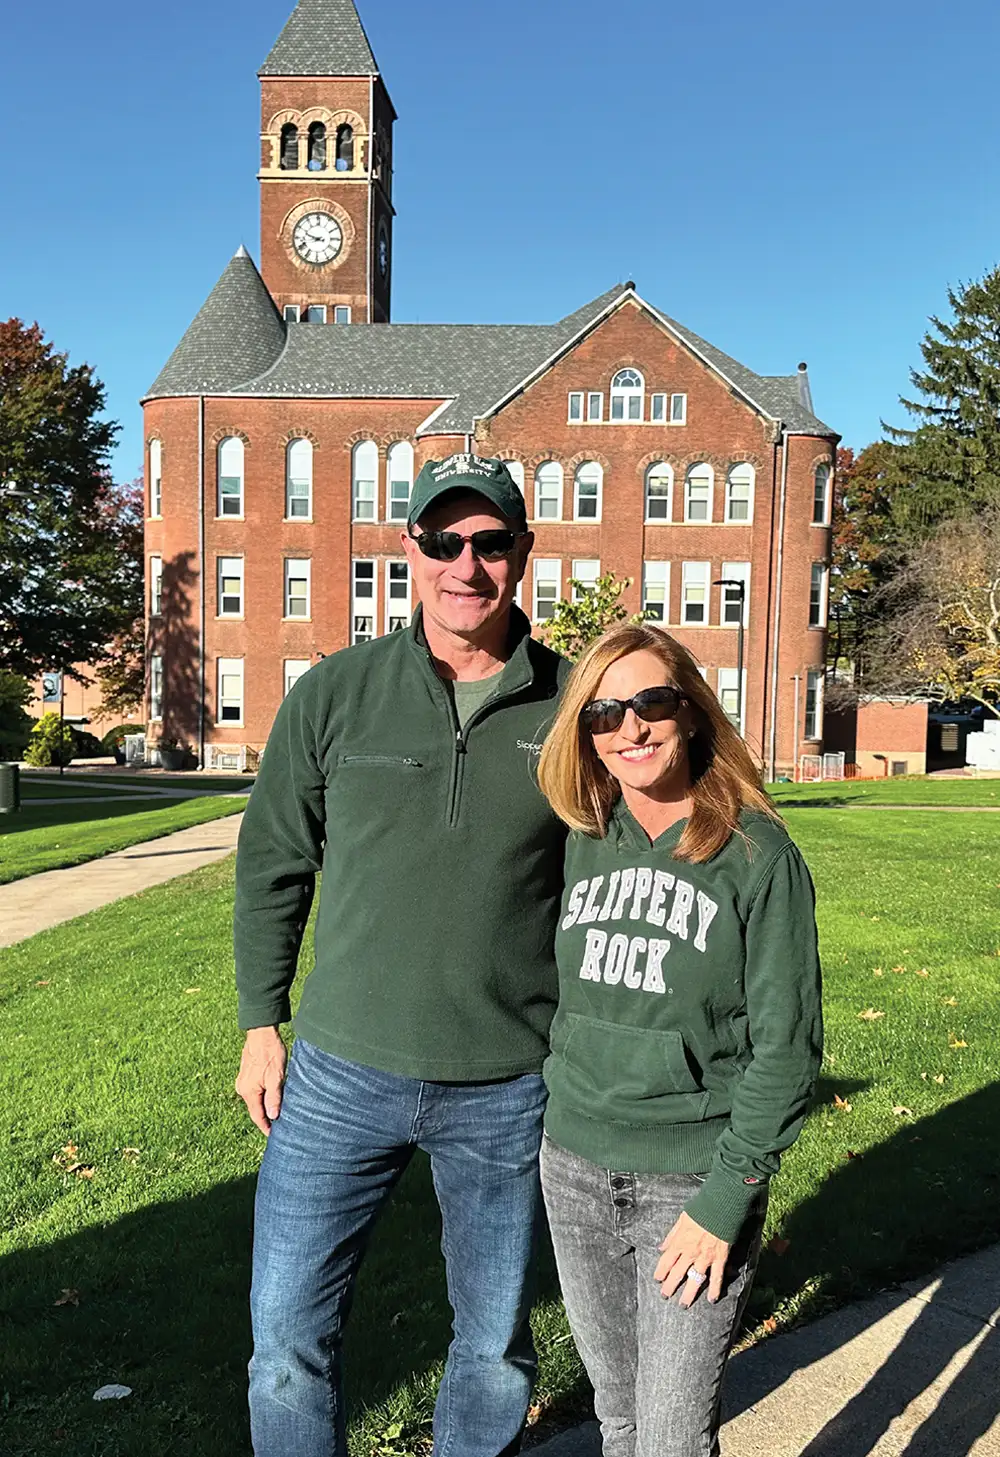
x=656 y=1368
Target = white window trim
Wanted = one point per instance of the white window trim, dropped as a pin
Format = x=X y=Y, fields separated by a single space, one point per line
x=726 y=680
x=548 y=578
x=559 y=499
x=288 y=480
x=703 y=578
x=587 y=520
x=736 y=571
x=581 y=396
x=658 y=520
x=662 y=578
x=824 y=595
x=597 y=395
x=225 y=666
x=355 y=453
x=815 y=674
x=659 y=395
x=751 y=493
x=155 y=672
x=304 y=664
x=628 y=392
x=684 y=410
x=587 y=578
x=688 y=518
x=393 y=452
x=827 y=495
x=219 y=573
x=230 y=515
x=389 y=602
x=156 y=480
x=291 y=313
x=369 y=605
x=288 y=578
x=321 y=308
x=342 y=308
x=156 y=586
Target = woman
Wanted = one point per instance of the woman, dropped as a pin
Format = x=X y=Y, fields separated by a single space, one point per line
x=687 y=1038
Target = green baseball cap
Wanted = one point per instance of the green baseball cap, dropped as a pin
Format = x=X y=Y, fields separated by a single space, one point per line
x=489 y=478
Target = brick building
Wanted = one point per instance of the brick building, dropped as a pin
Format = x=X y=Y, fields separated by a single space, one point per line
x=284 y=432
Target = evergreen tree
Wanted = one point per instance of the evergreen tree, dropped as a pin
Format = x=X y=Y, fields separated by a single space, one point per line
x=952 y=461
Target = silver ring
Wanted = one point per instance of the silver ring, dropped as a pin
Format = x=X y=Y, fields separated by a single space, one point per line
x=696 y=1275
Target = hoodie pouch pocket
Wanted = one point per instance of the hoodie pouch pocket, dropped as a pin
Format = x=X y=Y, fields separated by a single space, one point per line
x=627 y=1074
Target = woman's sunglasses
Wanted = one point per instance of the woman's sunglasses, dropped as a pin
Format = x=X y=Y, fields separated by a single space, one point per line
x=446 y=546
x=652 y=705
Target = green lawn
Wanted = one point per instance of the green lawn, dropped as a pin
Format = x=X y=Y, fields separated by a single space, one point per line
x=907 y=789
x=50 y=836
x=121 y=1054
x=33 y=787
x=110 y=780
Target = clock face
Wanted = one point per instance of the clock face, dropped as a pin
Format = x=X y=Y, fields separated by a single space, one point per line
x=318 y=237
x=383 y=252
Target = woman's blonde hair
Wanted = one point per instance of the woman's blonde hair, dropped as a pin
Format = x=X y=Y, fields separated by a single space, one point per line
x=724 y=777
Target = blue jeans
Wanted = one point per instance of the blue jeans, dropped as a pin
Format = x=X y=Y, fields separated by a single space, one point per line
x=344 y=1136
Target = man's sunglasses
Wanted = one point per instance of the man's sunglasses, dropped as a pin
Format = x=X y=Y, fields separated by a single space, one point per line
x=447 y=546
x=652 y=705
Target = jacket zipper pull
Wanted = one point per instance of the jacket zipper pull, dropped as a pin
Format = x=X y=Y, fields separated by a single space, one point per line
x=459 y=743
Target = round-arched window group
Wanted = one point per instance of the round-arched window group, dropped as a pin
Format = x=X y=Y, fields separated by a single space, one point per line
x=290 y=145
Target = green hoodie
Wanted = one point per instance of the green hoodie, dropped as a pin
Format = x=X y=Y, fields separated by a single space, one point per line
x=688 y=1036
x=441 y=862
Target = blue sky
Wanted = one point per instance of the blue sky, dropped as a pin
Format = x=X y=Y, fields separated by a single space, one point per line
x=793 y=181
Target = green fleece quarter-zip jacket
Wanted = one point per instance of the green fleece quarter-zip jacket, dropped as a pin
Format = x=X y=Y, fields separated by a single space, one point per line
x=442 y=864
x=689 y=1033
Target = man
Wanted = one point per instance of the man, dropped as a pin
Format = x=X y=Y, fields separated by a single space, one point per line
x=404 y=769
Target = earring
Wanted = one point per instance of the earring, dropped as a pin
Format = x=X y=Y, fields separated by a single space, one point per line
x=691 y=733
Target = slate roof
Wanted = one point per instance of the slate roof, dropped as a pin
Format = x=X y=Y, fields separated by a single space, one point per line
x=239 y=345
x=322 y=38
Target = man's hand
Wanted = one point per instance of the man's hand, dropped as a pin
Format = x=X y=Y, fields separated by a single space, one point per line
x=687 y=1247
x=261 y=1075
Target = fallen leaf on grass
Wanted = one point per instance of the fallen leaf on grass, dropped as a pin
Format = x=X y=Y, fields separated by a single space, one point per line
x=778 y=1246
x=878 y=971
x=939 y=1078
x=82 y=1171
x=770 y=1325
x=130 y=1154
x=901 y=1112
x=956 y=1042
x=870 y=1015
x=899 y=970
x=190 y=991
x=949 y=1001
x=921 y=971
x=113 y=1392
x=852 y=1154
x=43 y=983
x=842 y=1103
x=68 y=1297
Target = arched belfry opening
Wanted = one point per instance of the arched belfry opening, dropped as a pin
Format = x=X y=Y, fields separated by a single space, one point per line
x=345 y=148
x=317 y=147
x=289 y=147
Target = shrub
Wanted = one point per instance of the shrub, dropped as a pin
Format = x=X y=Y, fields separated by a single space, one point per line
x=86 y=745
x=51 y=743
x=115 y=737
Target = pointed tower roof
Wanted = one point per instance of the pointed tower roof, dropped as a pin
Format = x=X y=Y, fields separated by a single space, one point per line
x=322 y=38
x=236 y=335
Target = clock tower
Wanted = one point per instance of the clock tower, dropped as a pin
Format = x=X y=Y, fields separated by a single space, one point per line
x=326 y=209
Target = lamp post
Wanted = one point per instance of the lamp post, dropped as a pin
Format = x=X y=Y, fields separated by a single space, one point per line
x=741 y=592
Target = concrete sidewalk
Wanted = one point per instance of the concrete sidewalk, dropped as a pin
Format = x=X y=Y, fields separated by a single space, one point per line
x=910 y=1373
x=41 y=901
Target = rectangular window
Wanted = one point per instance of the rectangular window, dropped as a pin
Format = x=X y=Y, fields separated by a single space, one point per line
x=155 y=478
x=315 y=314
x=814 y=704
x=294 y=669
x=656 y=591
x=341 y=314
x=230 y=597
x=595 y=407
x=397 y=596
x=156 y=686
x=734 y=704
x=658 y=409
x=729 y=605
x=575 y=407
x=291 y=313
x=297 y=574
x=364 y=577
x=155 y=586
x=545 y=589
x=817 y=595
x=678 y=409
x=694 y=593
x=230 y=690
x=586 y=573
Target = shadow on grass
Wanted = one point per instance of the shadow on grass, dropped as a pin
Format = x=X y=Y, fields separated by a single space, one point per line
x=47 y=816
x=163 y=1308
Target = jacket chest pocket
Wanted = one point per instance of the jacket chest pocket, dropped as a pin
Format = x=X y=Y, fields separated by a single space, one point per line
x=377 y=761
x=629 y=1074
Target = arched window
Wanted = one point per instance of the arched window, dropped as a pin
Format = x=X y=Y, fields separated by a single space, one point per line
x=231 y=476
x=659 y=491
x=298 y=480
x=155 y=478
x=698 y=493
x=345 y=148
x=365 y=481
x=821 y=495
x=317 y=147
x=739 y=492
x=400 y=472
x=627 y=393
x=289 y=147
x=587 y=494
x=548 y=491
x=516 y=470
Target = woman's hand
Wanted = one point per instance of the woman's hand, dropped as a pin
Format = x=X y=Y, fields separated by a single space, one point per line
x=686 y=1246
